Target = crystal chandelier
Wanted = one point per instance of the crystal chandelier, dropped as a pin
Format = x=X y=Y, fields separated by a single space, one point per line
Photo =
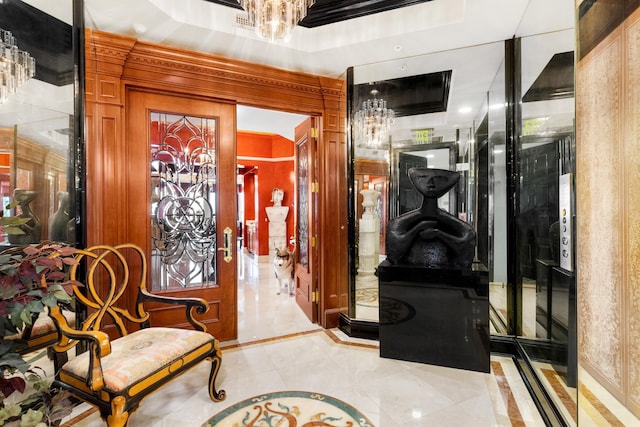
x=16 y=66
x=274 y=19
x=373 y=123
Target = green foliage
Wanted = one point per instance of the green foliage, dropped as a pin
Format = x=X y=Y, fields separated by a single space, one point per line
x=31 y=279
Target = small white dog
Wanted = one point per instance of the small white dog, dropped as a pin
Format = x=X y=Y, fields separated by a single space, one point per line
x=283 y=267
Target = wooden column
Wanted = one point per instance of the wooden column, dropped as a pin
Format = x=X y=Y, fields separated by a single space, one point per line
x=105 y=56
x=332 y=157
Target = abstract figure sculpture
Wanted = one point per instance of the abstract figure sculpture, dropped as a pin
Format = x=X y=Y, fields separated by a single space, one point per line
x=430 y=236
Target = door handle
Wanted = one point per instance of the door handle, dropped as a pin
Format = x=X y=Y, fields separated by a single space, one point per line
x=227 y=248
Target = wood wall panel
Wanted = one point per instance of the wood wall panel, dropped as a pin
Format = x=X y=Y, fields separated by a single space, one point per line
x=333 y=203
x=115 y=64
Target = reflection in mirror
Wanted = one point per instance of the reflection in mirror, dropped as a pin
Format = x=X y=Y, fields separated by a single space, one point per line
x=456 y=113
x=404 y=196
x=546 y=158
x=492 y=203
x=37 y=124
x=438 y=101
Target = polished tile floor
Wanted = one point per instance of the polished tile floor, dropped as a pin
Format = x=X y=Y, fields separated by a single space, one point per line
x=279 y=349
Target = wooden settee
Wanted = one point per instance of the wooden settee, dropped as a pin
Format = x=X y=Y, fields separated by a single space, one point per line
x=116 y=374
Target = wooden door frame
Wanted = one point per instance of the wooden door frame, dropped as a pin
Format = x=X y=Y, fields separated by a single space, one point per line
x=114 y=63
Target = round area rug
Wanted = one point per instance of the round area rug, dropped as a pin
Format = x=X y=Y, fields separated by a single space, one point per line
x=290 y=409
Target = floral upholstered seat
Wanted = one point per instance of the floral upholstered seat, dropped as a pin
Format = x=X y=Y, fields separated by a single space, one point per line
x=137 y=356
x=119 y=369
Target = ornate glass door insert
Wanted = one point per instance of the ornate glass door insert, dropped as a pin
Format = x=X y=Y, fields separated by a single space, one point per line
x=183 y=201
x=303 y=204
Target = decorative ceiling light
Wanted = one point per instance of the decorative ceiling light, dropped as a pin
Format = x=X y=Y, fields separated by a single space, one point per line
x=16 y=66
x=274 y=19
x=373 y=123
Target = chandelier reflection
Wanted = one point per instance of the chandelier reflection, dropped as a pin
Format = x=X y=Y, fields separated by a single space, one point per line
x=16 y=66
x=372 y=123
x=274 y=19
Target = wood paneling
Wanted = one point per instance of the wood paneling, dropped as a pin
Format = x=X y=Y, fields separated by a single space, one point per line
x=332 y=156
x=116 y=63
x=42 y=165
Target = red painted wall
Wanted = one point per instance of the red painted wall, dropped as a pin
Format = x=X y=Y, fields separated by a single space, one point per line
x=273 y=157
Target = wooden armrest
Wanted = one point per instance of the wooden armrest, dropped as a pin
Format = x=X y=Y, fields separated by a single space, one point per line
x=192 y=306
x=99 y=346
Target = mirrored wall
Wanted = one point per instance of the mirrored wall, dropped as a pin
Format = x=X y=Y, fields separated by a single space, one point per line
x=39 y=127
x=439 y=103
x=502 y=115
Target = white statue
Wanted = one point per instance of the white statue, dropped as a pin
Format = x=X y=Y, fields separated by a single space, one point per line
x=369 y=233
x=277 y=215
x=276 y=196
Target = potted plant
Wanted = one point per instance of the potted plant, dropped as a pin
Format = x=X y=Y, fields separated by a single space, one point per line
x=30 y=280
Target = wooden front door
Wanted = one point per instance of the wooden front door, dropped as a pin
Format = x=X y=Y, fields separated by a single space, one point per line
x=306 y=220
x=181 y=168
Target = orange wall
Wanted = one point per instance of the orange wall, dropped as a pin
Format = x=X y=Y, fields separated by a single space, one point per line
x=273 y=156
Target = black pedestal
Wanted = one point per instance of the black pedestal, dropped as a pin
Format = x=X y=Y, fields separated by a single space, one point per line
x=435 y=316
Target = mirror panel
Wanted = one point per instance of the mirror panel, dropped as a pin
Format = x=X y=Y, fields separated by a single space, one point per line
x=439 y=101
x=471 y=134
x=546 y=159
x=38 y=125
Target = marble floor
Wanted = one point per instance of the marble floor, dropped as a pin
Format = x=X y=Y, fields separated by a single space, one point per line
x=279 y=349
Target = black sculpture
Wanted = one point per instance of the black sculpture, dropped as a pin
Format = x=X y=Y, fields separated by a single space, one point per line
x=430 y=236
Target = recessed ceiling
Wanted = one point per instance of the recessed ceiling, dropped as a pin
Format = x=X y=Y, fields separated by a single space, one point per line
x=555 y=81
x=409 y=96
x=325 y=12
x=387 y=39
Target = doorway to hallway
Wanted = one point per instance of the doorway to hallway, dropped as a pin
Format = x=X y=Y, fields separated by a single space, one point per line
x=266 y=164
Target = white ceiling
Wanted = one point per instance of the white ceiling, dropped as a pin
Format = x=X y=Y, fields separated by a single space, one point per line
x=407 y=41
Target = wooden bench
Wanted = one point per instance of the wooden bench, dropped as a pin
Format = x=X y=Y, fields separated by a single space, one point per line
x=116 y=374
x=41 y=334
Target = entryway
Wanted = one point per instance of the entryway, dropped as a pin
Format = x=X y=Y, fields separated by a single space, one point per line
x=268 y=167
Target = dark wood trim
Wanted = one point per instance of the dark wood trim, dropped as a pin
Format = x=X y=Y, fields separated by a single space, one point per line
x=78 y=168
x=351 y=205
x=513 y=128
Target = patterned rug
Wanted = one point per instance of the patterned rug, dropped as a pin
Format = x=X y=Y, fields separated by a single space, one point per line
x=290 y=409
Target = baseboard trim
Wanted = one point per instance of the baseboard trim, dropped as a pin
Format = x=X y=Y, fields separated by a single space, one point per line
x=357 y=328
